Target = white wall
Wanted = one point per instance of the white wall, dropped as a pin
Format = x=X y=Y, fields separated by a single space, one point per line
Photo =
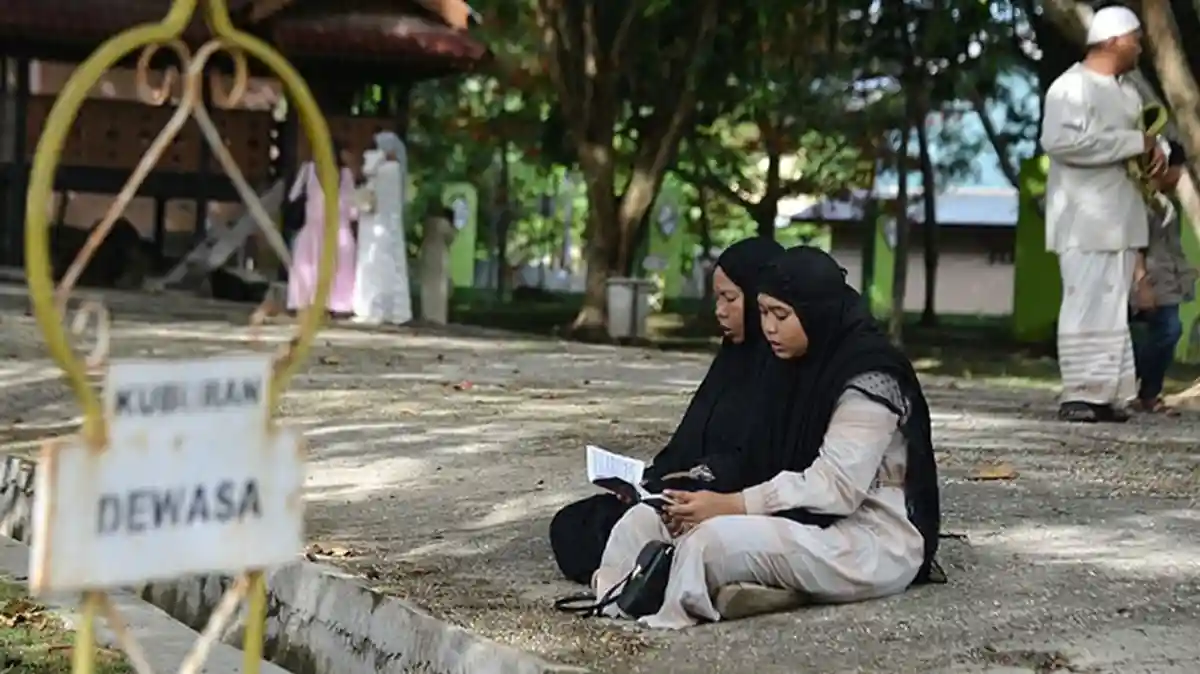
x=966 y=283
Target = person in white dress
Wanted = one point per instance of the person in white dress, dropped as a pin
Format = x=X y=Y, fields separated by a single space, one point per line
x=1096 y=215
x=381 y=290
x=839 y=497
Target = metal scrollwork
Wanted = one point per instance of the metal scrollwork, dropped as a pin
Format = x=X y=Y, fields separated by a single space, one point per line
x=49 y=305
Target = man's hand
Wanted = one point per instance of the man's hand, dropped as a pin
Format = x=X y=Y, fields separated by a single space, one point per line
x=693 y=507
x=1156 y=159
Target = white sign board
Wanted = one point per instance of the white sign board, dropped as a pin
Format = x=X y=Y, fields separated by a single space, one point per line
x=654 y=263
x=667 y=219
x=462 y=212
x=890 y=235
x=192 y=481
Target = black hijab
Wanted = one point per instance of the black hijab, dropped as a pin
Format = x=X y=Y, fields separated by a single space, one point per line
x=716 y=419
x=801 y=393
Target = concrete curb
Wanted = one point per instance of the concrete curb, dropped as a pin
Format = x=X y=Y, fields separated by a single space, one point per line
x=165 y=640
x=320 y=620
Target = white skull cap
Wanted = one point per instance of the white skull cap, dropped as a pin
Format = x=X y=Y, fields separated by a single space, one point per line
x=1112 y=22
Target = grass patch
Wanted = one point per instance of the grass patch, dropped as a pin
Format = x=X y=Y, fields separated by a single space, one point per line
x=33 y=640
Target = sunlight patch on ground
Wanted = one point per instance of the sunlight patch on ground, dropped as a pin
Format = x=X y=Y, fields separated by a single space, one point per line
x=226 y=334
x=357 y=428
x=1140 y=553
x=24 y=376
x=341 y=479
x=518 y=509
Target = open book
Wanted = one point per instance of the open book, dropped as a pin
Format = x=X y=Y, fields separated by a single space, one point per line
x=621 y=475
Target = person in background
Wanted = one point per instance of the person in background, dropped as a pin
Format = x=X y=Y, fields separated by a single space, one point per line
x=381 y=293
x=1169 y=280
x=437 y=236
x=1096 y=215
x=306 y=250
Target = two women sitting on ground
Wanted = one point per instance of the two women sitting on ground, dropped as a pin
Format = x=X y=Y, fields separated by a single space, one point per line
x=822 y=487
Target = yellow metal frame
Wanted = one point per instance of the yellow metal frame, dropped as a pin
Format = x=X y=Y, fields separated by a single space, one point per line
x=1136 y=166
x=49 y=312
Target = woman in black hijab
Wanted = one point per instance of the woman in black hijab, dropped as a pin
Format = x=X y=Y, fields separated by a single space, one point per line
x=715 y=420
x=839 y=496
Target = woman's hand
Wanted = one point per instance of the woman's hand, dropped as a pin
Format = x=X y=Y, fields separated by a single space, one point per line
x=693 y=507
x=674 y=526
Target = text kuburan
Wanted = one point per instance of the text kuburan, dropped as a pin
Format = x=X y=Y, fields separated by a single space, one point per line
x=176 y=397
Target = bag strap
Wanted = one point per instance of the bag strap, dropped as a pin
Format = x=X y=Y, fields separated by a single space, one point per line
x=586 y=605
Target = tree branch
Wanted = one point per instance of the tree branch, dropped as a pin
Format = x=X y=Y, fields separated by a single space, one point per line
x=624 y=30
x=706 y=180
x=998 y=143
x=549 y=20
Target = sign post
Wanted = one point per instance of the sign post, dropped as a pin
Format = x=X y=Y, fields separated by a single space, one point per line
x=194 y=480
x=179 y=467
x=463 y=201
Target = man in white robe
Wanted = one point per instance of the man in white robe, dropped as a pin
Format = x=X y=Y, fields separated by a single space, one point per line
x=381 y=290
x=1096 y=216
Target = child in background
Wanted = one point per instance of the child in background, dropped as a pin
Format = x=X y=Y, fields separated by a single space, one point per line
x=1169 y=280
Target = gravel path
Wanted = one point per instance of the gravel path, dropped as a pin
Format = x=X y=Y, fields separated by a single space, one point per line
x=437 y=460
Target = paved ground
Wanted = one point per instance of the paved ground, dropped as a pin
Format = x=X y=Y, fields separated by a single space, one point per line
x=438 y=460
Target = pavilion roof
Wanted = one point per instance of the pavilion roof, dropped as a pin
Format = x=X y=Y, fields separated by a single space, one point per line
x=380 y=31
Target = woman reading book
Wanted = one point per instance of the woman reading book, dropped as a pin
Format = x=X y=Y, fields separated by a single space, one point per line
x=838 y=499
x=715 y=420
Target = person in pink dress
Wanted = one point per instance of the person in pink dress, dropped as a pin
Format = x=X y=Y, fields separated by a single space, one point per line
x=306 y=250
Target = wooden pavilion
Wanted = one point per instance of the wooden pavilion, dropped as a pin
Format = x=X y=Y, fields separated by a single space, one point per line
x=344 y=49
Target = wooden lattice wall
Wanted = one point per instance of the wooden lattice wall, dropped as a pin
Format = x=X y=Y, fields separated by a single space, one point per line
x=356 y=134
x=115 y=135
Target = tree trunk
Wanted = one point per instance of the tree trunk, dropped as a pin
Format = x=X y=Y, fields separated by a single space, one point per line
x=764 y=213
x=503 y=224
x=767 y=208
x=706 y=241
x=659 y=142
x=929 y=228
x=1178 y=82
x=911 y=83
x=1179 y=86
x=586 y=63
x=600 y=238
x=900 y=270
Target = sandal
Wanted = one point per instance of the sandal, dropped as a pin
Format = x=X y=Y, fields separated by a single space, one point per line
x=1155 y=406
x=1077 y=412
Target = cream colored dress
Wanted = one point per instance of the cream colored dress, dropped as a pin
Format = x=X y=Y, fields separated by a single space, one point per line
x=874 y=552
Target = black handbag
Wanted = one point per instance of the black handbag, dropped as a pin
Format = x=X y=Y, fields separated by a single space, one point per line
x=638 y=594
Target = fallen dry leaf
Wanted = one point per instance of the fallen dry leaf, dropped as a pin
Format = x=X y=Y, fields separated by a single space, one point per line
x=995 y=471
x=317 y=550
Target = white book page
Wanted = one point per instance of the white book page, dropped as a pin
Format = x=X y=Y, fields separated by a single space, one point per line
x=602 y=463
